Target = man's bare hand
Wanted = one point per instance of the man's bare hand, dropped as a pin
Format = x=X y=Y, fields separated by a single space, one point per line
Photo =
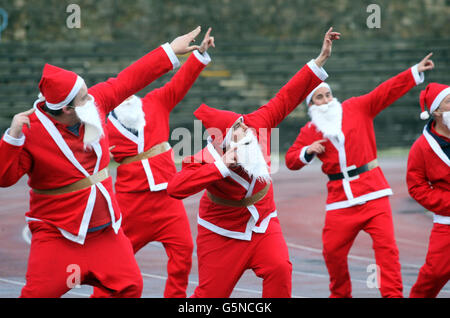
x=207 y=42
x=18 y=121
x=316 y=148
x=327 y=45
x=230 y=157
x=426 y=64
x=181 y=45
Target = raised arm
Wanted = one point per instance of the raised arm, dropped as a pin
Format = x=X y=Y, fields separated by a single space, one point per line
x=141 y=73
x=431 y=198
x=193 y=178
x=389 y=91
x=197 y=174
x=296 y=90
x=176 y=89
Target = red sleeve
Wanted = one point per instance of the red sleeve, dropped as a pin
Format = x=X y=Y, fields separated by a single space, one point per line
x=16 y=162
x=175 y=90
x=387 y=92
x=289 y=97
x=193 y=178
x=433 y=199
x=131 y=80
x=295 y=155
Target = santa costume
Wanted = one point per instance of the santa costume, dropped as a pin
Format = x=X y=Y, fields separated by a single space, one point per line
x=139 y=132
x=238 y=228
x=428 y=180
x=357 y=189
x=74 y=217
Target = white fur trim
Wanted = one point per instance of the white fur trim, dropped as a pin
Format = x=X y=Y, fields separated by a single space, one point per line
x=226 y=141
x=319 y=71
x=359 y=200
x=441 y=219
x=75 y=89
x=224 y=171
x=13 y=141
x=435 y=147
x=247 y=235
x=424 y=115
x=302 y=156
x=202 y=57
x=418 y=77
x=439 y=99
x=171 y=54
x=310 y=95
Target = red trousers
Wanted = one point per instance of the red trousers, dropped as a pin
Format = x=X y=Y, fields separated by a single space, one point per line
x=56 y=264
x=340 y=230
x=223 y=260
x=435 y=273
x=154 y=216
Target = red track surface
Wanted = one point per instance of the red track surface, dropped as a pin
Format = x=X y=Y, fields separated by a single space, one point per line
x=300 y=198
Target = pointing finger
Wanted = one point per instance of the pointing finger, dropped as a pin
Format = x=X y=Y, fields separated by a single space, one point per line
x=29 y=112
x=195 y=32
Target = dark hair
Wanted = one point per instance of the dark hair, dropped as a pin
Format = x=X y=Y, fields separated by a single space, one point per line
x=56 y=112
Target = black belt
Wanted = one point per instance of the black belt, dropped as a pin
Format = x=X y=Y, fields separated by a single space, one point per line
x=354 y=172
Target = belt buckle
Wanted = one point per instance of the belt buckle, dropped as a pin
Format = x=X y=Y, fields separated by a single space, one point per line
x=345 y=173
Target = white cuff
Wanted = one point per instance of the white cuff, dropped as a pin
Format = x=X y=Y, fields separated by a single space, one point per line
x=418 y=77
x=302 y=156
x=222 y=168
x=319 y=71
x=171 y=54
x=14 y=141
x=202 y=57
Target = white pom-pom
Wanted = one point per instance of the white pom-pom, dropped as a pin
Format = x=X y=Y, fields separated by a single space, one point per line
x=424 y=115
x=41 y=97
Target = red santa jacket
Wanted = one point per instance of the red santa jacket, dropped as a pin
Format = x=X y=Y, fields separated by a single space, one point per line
x=53 y=157
x=155 y=172
x=428 y=175
x=206 y=170
x=355 y=146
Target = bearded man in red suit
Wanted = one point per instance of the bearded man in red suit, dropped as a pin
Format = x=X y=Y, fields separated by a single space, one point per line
x=238 y=228
x=342 y=136
x=62 y=145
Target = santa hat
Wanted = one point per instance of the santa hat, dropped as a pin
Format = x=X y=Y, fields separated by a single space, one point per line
x=432 y=96
x=217 y=122
x=309 y=97
x=58 y=87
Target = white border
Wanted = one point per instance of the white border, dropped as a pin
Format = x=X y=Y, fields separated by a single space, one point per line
x=75 y=89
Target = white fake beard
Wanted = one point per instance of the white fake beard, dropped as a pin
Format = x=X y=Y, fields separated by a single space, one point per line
x=250 y=157
x=446 y=119
x=93 y=129
x=130 y=113
x=327 y=118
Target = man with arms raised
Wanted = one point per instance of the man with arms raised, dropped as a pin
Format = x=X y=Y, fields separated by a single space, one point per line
x=238 y=228
x=138 y=132
x=62 y=146
x=343 y=138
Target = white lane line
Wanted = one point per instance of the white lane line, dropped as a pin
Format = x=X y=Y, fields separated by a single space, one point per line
x=26 y=234
x=192 y=282
x=352 y=279
x=12 y=282
x=350 y=256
